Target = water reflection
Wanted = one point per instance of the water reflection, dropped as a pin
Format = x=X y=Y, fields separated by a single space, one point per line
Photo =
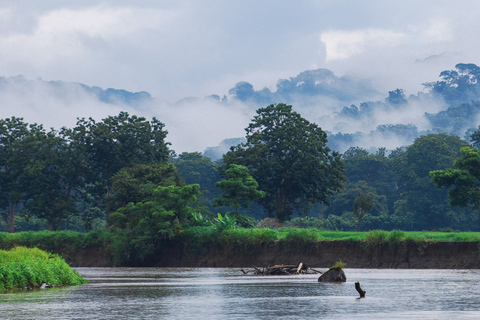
x=198 y=293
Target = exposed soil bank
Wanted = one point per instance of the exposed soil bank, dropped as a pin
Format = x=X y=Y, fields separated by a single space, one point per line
x=405 y=255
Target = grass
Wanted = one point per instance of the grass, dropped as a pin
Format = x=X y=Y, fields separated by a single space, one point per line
x=30 y=267
x=339 y=265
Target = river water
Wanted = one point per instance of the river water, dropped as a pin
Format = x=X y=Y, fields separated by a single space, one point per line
x=206 y=293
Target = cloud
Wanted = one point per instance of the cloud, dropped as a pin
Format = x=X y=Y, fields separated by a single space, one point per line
x=177 y=49
x=344 y=44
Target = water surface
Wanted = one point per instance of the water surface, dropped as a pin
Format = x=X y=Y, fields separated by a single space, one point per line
x=206 y=293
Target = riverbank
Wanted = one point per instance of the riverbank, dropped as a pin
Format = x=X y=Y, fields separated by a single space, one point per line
x=206 y=247
x=406 y=255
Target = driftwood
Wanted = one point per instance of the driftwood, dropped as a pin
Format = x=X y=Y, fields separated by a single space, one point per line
x=282 y=269
x=360 y=291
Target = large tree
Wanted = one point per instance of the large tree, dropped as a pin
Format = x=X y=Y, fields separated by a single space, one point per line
x=118 y=142
x=288 y=157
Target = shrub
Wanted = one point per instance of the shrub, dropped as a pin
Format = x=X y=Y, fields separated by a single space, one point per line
x=22 y=267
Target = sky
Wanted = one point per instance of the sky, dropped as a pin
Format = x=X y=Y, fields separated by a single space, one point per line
x=177 y=49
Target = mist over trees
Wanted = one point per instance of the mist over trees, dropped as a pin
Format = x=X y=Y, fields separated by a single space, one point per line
x=123 y=172
x=450 y=105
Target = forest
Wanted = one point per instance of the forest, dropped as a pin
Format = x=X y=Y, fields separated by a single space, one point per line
x=120 y=173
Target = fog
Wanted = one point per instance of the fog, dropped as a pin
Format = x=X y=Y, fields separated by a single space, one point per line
x=185 y=48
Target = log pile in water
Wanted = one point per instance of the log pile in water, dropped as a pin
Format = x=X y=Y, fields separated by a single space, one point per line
x=282 y=269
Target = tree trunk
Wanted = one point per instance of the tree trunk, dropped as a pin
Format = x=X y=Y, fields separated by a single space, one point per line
x=49 y=228
x=281 y=203
x=59 y=223
x=12 y=217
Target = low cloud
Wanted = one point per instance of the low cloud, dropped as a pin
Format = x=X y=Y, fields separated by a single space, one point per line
x=345 y=44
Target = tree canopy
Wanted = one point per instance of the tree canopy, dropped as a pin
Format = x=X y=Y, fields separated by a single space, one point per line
x=463 y=180
x=239 y=189
x=288 y=157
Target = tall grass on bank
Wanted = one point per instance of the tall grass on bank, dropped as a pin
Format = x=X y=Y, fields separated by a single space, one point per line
x=64 y=243
x=30 y=267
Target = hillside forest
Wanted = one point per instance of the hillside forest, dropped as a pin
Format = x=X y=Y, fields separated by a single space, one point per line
x=120 y=172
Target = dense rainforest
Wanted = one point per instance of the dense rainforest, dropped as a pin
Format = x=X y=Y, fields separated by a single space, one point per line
x=120 y=173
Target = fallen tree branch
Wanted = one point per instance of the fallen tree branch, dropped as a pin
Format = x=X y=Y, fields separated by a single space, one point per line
x=360 y=291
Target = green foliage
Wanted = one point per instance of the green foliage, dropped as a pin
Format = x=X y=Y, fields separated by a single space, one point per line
x=137 y=183
x=239 y=189
x=144 y=227
x=362 y=204
x=339 y=265
x=344 y=201
x=200 y=220
x=305 y=222
x=300 y=238
x=376 y=237
x=225 y=222
x=425 y=206
x=198 y=169
x=288 y=157
x=22 y=267
x=464 y=179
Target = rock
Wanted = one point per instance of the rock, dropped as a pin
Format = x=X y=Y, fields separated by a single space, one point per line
x=333 y=275
x=43 y=286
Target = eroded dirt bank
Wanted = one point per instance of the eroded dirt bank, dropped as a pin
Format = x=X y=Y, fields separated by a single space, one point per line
x=439 y=255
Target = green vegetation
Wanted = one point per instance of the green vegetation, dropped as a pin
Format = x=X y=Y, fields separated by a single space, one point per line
x=119 y=178
x=239 y=189
x=288 y=157
x=465 y=179
x=30 y=267
x=339 y=265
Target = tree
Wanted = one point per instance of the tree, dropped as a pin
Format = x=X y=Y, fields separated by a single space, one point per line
x=343 y=201
x=14 y=157
x=475 y=138
x=426 y=206
x=396 y=97
x=362 y=204
x=118 y=142
x=198 y=169
x=146 y=225
x=463 y=180
x=239 y=189
x=52 y=180
x=136 y=184
x=288 y=157
x=458 y=86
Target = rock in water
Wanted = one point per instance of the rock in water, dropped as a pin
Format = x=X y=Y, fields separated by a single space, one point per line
x=333 y=275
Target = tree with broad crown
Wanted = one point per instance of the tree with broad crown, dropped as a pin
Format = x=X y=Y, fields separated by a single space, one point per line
x=118 y=142
x=239 y=189
x=288 y=157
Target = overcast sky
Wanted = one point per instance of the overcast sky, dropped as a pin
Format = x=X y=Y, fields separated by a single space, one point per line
x=179 y=48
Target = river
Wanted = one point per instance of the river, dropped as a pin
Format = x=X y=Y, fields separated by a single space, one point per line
x=225 y=293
